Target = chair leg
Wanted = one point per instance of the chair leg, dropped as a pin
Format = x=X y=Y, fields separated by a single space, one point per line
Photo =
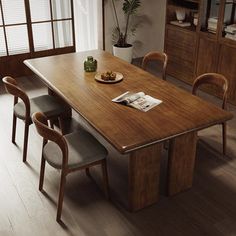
x=61 y=195
x=13 y=137
x=105 y=179
x=224 y=136
x=25 y=140
x=62 y=125
x=42 y=171
x=51 y=124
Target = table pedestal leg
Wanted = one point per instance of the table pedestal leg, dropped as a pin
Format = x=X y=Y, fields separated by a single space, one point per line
x=144 y=171
x=181 y=162
x=68 y=113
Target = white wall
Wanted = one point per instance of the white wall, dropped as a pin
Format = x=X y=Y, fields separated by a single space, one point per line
x=149 y=35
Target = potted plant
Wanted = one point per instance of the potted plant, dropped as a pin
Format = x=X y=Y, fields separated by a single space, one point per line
x=122 y=48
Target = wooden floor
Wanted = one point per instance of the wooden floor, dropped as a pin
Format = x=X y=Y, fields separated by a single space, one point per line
x=209 y=208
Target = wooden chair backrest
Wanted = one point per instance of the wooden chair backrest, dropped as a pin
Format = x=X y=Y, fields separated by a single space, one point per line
x=156 y=56
x=212 y=78
x=12 y=88
x=50 y=134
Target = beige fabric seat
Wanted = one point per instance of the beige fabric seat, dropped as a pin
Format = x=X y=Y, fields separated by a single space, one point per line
x=49 y=105
x=52 y=107
x=75 y=151
x=83 y=149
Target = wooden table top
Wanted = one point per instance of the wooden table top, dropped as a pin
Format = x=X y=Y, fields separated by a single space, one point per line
x=124 y=127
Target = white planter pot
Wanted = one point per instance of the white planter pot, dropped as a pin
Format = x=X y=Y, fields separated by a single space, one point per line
x=123 y=53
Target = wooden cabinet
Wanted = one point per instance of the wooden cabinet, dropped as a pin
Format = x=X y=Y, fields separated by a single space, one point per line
x=206 y=62
x=227 y=67
x=180 y=46
x=181 y=39
x=206 y=43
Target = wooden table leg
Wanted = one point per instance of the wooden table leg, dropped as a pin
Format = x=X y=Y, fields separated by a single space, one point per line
x=68 y=112
x=144 y=171
x=181 y=163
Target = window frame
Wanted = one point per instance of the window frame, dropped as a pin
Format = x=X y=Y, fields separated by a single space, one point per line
x=29 y=24
x=13 y=64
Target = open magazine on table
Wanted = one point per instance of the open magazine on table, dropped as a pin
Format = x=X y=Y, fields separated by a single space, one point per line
x=138 y=100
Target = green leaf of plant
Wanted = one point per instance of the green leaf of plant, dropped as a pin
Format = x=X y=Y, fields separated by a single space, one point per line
x=130 y=6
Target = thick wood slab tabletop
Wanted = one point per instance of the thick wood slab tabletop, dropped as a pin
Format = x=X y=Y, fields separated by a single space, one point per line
x=124 y=127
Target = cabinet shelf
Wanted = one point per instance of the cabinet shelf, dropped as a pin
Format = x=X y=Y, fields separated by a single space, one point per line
x=195 y=50
x=189 y=4
x=187 y=28
x=187 y=8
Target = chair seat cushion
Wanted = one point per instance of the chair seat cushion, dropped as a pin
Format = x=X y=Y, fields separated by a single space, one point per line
x=49 y=105
x=83 y=149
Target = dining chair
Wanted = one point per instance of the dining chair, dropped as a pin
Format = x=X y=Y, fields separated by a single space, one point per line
x=75 y=151
x=23 y=109
x=156 y=56
x=221 y=82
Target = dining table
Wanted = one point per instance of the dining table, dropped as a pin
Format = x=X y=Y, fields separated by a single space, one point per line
x=130 y=131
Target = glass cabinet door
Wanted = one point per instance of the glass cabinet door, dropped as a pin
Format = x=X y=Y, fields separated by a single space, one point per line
x=229 y=28
x=210 y=14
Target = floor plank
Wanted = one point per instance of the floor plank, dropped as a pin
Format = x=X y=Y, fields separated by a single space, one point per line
x=208 y=208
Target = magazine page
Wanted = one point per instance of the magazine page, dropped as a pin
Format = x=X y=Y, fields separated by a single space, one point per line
x=145 y=103
x=128 y=97
x=138 y=100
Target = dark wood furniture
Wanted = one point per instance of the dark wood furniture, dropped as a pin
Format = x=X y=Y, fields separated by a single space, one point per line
x=52 y=107
x=220 y=82
x=76 y=151
x=130 y=131
x=156 y=56
x=203 y=48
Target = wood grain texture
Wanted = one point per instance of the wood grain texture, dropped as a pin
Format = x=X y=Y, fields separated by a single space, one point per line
x=227 y=68
x=144 y=171
x=180 y=46
x=120 y=125
x=206 y=209
x=181 y=162
x=127 y=129
x=207 y=60
x=207 y=52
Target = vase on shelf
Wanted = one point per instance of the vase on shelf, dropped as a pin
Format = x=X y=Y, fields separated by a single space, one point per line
x=180 y=15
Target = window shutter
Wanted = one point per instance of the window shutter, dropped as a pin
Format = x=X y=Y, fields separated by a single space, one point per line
x=40 y=10
x=14 y=11
x=35 y=25
x=3 y=51
x=15 y=26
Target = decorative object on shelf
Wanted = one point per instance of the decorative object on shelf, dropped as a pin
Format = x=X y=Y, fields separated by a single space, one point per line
x=122 y=49
x=195 y=50
x=90 y=65
x=230 y=31
x=183 y=24
x=212 y=24
x=195 y=19
x=180 y=14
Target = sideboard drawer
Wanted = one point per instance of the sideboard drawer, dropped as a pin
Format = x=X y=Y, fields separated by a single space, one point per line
x=181 y=37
